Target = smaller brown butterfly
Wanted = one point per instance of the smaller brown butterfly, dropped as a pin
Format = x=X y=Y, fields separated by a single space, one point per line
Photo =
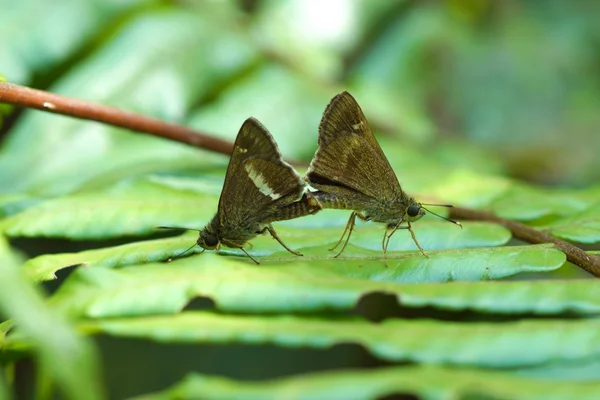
x=259 y=188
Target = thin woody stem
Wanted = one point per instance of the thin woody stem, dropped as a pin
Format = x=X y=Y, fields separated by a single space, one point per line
x=50 y=102
x=574 y=254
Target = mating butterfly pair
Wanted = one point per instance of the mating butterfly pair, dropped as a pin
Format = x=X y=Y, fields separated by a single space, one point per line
x=349 y=171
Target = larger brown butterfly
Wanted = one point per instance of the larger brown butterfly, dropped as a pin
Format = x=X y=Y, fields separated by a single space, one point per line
x=350 y=171
x=259 y=188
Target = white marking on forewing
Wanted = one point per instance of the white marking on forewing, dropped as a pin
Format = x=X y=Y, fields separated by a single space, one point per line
x=258 y=180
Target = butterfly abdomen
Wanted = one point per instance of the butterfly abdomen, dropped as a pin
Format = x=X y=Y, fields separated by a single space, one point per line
x=329 y=200
x=297 y=209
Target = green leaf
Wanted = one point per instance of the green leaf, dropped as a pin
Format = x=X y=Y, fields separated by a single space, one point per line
x=525 y=203
x=588 y=370
x=583 y=227
x=469 y=188
x=423 y=382
x=43 y=268
x=483 y=344
x=135 y=207
x=243 y=287
x=128 y=208
x=68 y=358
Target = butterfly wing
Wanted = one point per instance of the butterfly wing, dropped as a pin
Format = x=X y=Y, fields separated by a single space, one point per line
x=349 y=160
x=258 y=182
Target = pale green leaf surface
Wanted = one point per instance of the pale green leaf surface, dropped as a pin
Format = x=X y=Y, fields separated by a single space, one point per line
x=582 y=227
x=526 y=203
x=127 y=208
x=564 y=371
x=77 y=373
x=469 y=188
x=44 y=267
x=431 y=233
x=135 y=207
x=179 y=57
x=484 y=344
x=423 y=382
x=244 y=287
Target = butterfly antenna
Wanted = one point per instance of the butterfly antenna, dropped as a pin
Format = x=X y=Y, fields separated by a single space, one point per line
x=183 y=252
x=442 y=217
x=177 y=228
x=181 y=229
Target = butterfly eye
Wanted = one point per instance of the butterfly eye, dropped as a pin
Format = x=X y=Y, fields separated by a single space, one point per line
x=211 y=240
x=208 y=239
x=413 y=210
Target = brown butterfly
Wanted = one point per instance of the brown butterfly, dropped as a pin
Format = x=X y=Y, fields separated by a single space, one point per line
x=259 y=188
x=351 y=172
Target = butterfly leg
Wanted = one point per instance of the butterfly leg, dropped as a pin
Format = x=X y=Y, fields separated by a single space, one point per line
x=384 y=242
x=386 y=238
x=248 y=254
x=415 y=240
x=349 y=228
x=274 y=234
x=348 y=224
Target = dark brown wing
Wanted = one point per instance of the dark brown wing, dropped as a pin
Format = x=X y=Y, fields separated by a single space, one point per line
x=257 y=179
x=349 y=157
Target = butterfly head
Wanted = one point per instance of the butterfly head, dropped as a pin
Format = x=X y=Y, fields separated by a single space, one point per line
x=414 y=212
x=208 y=239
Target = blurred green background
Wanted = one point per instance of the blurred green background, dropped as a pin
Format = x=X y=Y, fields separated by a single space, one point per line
x=516 y=82
x=507 y=88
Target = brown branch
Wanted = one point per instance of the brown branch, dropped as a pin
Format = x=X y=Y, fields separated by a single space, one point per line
x=50 y=102
x=574 y=254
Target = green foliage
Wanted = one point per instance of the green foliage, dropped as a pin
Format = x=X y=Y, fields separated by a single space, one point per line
x=172 y=83
x=309 y=285
x=429 y=383
x=482 y=316
x=582 y=227
x=483 y=344
x=24 y=54
x=77 y=374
